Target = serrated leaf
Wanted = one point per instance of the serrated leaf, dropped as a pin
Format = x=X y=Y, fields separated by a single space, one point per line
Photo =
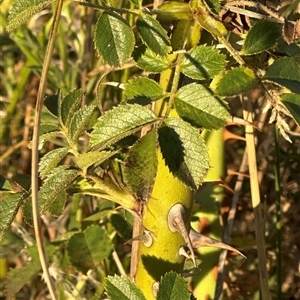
x=18 y=277
x=79 y=121
x=149 y=61
x=9 y=206
x=23 y=181
x=174 y=10
x=87 y=249
x=21 y=10
x=58 y=206
x=48 y=127
x=196 y=104
x=122 y=288
x=119 y=122
x=236 y=81
x=52 y=104
x=85 y=160
x=51 y=159
x=58 y=180
x=113 y=38
x=292 y=103
x=285 y=72
x=173 y=287
x=122 y=226
x=69 y=104
x=4 y=184
x=262 y=36
x=153 y=34
x=141 y=166
x=184 y=151
x=143 y=90
x=203 y=62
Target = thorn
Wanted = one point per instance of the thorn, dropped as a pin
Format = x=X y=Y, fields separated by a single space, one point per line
x=182 y=252
x=176 y=223
x=199 y=240
x=155 y=288
x=146 y=238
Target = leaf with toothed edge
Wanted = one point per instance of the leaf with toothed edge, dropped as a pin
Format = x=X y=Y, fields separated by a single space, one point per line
x=173 y=287
x=141 y=166
x=184 y=151
x=197 y=104
x=120 y=122
x=122 y=288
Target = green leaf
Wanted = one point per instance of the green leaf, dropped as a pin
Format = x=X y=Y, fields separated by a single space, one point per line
x=80 y=121
x=203 y=62
x=52 y=104
x=149 y=61
x=18 y=277
x=113 y=38
x=236 y=81
x=153 y=34
x=87 y=249
x=174 y=10
x=48 y=127
x=119 y=122
x=214 y=5
x=58 y=180
x=85 y=160
x=184 y=151
x=21 y=10
x=143 y=90
x=58 y=206
x=141 y=166
x=69 y=104
x=292 y=103
x=122 y=226
x=23 y=181
x=122 y=288
x=4 y=184
x=262 y=36
x=173 y=287
x=196 y=104
x=51 y=159
x=285 y=72
x=9 y=207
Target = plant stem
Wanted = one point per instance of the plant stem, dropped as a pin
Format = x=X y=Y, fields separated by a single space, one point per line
x=35 y=154
x=278 y=214
x=256 y=203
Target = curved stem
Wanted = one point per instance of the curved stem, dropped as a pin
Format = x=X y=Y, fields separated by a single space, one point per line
x=35 y=153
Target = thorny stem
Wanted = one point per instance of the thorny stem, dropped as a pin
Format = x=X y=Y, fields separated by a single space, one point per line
x=35 y=153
